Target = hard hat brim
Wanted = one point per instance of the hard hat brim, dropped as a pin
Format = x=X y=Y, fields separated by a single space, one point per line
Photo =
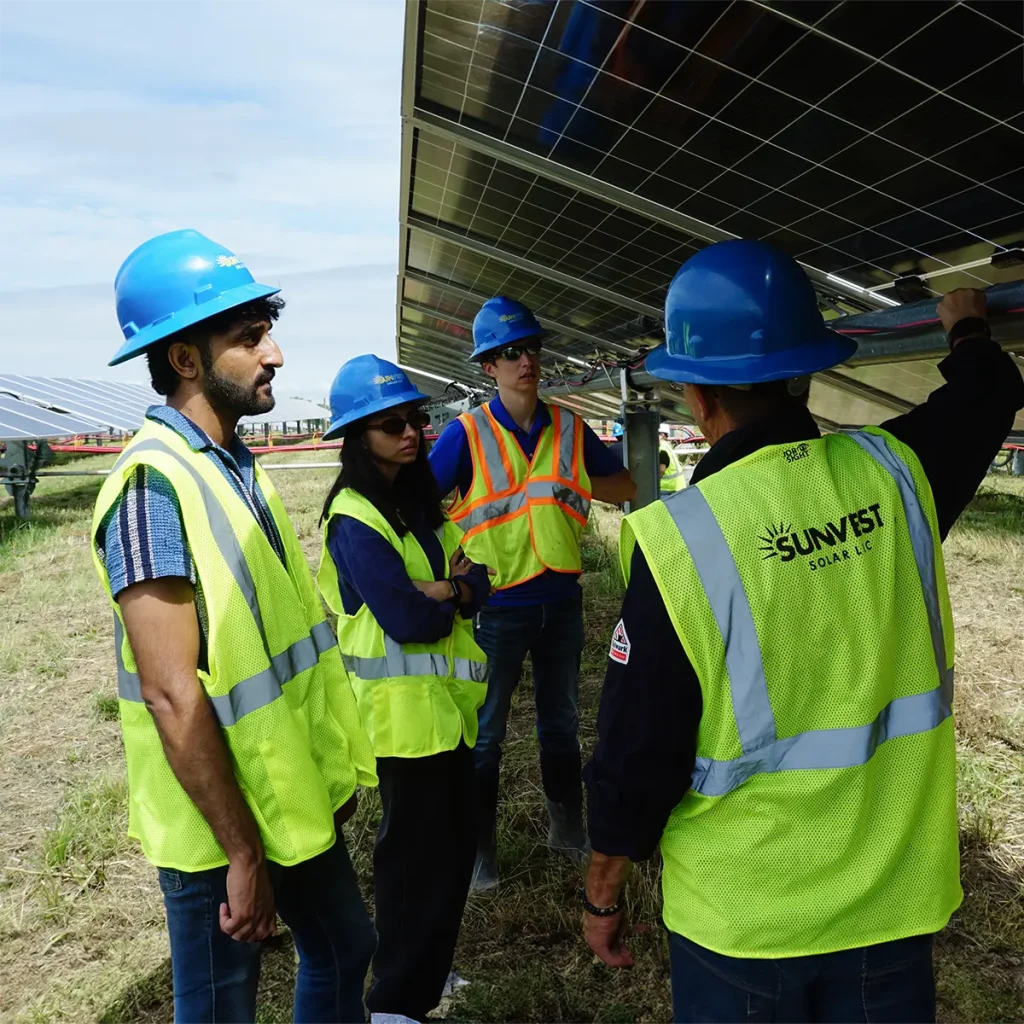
x=178 y=321
x=478 y=355
x=830 y=350
x=338 y=426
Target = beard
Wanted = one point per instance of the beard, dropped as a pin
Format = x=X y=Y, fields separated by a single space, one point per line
x=229 y=397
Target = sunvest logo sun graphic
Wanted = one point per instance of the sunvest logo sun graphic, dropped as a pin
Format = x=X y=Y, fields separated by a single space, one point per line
x=831 y=544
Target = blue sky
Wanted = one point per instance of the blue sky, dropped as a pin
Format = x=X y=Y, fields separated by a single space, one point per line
x=271 y=127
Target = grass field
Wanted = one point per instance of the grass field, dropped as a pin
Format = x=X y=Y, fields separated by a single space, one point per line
x=81 y=922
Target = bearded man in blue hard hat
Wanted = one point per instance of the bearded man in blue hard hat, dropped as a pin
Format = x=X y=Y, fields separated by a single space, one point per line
x=393 y=570
x=776 y=711
x=241 y=732
x=524 y=473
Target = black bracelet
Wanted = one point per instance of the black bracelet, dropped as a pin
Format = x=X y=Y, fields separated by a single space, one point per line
x=456 y=593
x=615 y=908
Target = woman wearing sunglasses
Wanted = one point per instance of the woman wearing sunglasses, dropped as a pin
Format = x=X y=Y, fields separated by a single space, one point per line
x=393 y=571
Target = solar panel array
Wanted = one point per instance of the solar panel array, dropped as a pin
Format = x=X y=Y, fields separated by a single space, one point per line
x=23 y=421
x=104 y=405
x=65 y=406
x=574 y=154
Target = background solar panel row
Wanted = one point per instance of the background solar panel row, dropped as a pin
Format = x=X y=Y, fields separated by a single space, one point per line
x=105 y=404
x=22 y=421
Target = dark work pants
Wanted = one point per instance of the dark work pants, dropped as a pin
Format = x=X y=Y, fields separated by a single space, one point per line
x=888 y=983
x=422 y=865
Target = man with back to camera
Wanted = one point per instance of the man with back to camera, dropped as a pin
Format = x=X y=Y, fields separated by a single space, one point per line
x=525 y=472
x=241 y=733
x=776 y=712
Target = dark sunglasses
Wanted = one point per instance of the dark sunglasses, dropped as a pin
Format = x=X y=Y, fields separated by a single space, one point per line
x=395 y=425
x=514 y=352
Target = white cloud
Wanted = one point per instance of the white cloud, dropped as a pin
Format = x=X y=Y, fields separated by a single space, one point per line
x=273 y=128
x=330 y=316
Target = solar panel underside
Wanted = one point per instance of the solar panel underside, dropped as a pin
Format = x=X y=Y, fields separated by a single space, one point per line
x=574 y=154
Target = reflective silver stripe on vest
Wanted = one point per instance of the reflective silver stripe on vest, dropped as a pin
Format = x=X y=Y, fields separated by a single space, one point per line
x=820 y=748
x=265 y=686
x=397 y=662
x=720 y=578
x=575 y=500
x=920 y=535
x=565 y=440
x=493 y=509
x=128 y=685
x=830 y=748
x=492 y=451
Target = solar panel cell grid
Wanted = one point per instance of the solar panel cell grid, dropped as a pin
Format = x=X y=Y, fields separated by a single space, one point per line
x=868 y=145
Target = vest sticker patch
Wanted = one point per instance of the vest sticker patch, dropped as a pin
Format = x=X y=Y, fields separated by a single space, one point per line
x=619 y=650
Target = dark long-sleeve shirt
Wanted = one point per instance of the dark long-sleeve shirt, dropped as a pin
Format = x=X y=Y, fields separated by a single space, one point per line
x=371 y=572
x=651 y=706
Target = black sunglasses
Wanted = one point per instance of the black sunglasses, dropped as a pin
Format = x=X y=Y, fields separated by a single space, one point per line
x=514 y=352
x=395 y=425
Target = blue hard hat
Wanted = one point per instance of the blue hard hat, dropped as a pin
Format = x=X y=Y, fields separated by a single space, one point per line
x=743 y=312
x=174 y=281
x=365 y=385
x=502 y=322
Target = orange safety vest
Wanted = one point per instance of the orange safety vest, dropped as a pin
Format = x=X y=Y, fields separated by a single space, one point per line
x=523 y=517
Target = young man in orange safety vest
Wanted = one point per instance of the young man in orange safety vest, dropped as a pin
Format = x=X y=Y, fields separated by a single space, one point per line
x=524 y=473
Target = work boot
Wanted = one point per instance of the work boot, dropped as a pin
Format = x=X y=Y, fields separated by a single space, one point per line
x=563 y=795
x=566 y=833
x=485 y=868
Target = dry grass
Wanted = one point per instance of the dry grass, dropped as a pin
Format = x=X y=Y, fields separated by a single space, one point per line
x=81 y=923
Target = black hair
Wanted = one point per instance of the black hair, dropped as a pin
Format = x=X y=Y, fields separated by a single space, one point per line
x=759 y=401
x=165 y=378
x=413 y=497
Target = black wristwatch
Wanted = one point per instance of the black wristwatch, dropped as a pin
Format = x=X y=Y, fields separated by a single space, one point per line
x=456 y=593
x=615 y=908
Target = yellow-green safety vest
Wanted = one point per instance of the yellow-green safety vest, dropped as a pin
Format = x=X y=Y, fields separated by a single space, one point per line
x=522 y=517
x=414 y=699
x=275 y=679
x=673 y=479
x=806 y=585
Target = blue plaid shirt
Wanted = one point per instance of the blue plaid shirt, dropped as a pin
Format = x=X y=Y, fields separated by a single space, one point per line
x=143 y=535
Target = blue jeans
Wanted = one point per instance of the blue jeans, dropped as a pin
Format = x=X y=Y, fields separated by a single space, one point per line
x=552 y=634
x=215 y=977
x=891 y=982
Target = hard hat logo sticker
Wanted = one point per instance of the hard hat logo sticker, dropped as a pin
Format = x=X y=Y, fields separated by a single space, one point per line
x=230 y=261
x=385 y=379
